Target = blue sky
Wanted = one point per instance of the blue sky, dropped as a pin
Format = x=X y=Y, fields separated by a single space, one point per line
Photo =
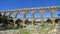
x=16 y=4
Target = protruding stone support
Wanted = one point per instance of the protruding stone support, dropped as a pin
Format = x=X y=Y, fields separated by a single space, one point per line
x=52 y=15
x=42 y=20
x=15 y=17
x=15 y=13
x=23 y=19
x=2 y=14
x=24 y=13
x=14 y=21
x=8 y=14
x=32 y=19
x=42 y=16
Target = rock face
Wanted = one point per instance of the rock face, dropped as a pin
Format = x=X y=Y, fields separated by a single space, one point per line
x=54 y=31
x=34 y=30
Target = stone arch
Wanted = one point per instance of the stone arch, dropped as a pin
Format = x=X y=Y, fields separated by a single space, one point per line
x=28 y=14
x=56 y=12
x=47 y=14
x=19 y=15
x=28 y=21
x=11 y=15
x=37 y=14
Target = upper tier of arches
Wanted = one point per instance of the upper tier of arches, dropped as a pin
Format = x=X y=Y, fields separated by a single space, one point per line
x=29 y=14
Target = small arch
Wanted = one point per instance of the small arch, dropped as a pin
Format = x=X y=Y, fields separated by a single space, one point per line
x=37 y=14
x=19 y=15
x=28 y=14
x=19 y=21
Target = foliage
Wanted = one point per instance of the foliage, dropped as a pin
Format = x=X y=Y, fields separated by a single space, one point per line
x=49 y=21
x=9 y=24
x=27 y=22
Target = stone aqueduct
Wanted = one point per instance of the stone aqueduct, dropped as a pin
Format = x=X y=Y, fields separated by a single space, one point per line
x=23 y=11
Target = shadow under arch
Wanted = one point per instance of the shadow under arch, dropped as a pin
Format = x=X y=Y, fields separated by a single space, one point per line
x=48 y=21
x=11 y=21
x=18 y=23
x=28 y=21
x=57 y=20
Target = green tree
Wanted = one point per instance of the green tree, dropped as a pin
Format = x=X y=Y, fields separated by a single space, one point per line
x=49 y=21
x=19 y=23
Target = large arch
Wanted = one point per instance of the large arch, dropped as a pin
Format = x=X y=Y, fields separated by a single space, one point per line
x=28 y=14
x=56 y=12
x=47 y=14
x=19 y=15
x=56 y=15
x=11 y=15
x=37 y=14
